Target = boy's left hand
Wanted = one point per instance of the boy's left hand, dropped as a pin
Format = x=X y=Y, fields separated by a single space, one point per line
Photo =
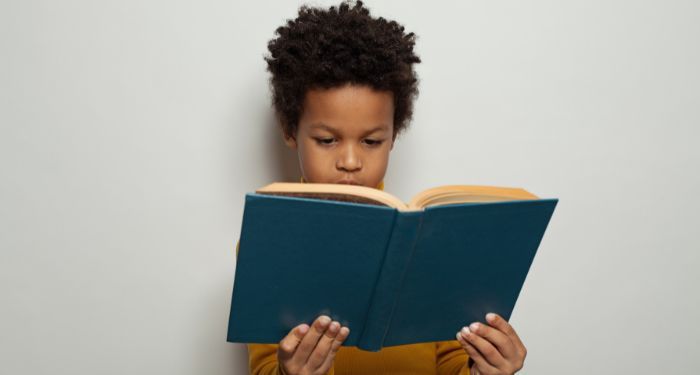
x=495 y=348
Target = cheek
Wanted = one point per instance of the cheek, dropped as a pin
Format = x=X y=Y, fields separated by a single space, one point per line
x=377 y=165
x=315 y=162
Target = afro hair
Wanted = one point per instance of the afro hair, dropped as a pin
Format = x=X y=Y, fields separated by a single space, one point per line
x=328 y=48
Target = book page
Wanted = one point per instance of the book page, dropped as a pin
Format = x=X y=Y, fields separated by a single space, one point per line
x=437 y=196
x=454 y=194
x=340 y=192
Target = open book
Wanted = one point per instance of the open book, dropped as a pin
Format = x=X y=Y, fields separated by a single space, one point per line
x=441 y=195
x=394 y=273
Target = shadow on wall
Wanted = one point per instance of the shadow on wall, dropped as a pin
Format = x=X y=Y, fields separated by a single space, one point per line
x=239 y=358
x=284 y=161
x=263 y=155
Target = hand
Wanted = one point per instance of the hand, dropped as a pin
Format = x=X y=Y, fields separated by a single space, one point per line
x=495 y=348
x=311 y=350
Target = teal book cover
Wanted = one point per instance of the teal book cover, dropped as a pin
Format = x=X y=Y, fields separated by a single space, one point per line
x=393 y=277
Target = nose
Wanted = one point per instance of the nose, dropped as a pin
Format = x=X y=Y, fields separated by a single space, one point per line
x=349 y=160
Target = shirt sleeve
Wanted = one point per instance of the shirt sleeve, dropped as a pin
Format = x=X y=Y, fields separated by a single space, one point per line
x=262 y=360
x=451 y=358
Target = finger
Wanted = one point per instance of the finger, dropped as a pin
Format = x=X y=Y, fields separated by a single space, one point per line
x=474 y=354
x=502 y=325
x=499 y=339
x=308 y=343
x=289 y=343
x=323 y=348
x=485 y=348
x=337 y=343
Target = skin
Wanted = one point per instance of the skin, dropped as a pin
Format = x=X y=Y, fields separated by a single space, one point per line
x=345 y=135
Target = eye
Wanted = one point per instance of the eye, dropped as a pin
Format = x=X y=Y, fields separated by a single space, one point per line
x=373 y=142
x=324 y=141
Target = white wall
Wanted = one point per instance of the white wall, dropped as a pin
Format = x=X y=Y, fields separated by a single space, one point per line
x=132 y=129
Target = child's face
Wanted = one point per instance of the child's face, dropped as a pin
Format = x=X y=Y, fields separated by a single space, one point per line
x=345 y=135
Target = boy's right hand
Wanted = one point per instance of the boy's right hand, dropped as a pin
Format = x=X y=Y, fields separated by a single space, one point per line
x=311 y=350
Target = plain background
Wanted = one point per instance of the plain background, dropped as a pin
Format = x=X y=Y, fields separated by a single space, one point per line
x=131 y=131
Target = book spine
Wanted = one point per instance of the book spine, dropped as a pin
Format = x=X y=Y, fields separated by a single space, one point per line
x=396 y=259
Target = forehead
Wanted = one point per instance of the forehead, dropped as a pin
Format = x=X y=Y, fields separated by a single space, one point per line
x=349 y=107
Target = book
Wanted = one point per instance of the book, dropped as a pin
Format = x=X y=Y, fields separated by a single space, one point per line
x=395 y=273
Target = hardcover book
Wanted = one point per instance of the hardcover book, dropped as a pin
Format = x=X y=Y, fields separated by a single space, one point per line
x=395 y=273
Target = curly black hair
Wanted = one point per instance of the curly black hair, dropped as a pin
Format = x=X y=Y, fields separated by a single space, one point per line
x=327 y=48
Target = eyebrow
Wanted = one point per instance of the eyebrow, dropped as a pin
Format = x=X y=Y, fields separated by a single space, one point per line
x=331 y=129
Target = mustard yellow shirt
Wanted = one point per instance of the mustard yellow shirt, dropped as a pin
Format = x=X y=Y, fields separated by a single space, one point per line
x=432 y=358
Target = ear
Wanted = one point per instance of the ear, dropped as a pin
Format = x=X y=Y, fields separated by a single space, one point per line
x=289 y=140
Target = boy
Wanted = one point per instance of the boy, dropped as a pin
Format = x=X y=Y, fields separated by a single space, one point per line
x=343 y=88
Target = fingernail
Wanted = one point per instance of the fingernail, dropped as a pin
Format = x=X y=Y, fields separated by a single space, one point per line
x=474 y=327
x=465 y=331
x=345 y=331
x=490 y=317
x=303 y=329
x=324 y=321
x=333 y=327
